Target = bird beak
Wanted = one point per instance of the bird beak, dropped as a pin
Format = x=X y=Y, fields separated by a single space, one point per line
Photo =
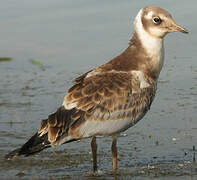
x=177 y=28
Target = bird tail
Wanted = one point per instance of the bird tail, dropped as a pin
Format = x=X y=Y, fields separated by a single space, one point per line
x=34 y=145
x=53 y=131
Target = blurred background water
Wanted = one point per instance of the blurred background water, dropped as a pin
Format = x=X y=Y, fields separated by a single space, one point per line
x=51 y=43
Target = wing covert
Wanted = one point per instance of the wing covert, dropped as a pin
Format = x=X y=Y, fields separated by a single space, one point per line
x=110 y=95
x=101 y=104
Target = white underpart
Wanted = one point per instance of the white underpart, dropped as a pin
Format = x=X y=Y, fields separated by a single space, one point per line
x=152 y=45
x=103 y=128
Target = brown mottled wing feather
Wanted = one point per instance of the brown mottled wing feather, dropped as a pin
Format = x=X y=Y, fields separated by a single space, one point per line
x=100 y=97
x=109 y=96
x=95 y=90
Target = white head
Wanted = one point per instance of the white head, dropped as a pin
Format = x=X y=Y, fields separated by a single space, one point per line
x=156 y=21
x=151 y=25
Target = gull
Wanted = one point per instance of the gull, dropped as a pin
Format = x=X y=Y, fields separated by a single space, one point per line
x=113 y=97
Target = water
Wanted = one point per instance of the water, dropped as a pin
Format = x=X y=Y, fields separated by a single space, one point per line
x=69 y=38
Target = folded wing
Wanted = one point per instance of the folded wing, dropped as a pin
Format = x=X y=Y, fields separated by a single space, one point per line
x=99 y=104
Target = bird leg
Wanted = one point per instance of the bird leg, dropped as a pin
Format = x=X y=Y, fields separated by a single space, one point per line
x=94 y=153
x=114 y=153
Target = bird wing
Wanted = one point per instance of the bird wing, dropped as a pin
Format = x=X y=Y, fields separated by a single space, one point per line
x=110 y=101
x=100 y=103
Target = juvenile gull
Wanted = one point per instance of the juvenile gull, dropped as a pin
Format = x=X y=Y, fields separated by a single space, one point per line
x=113 y=97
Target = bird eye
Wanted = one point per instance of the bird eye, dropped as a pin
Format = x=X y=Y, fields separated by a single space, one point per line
x=157 y=20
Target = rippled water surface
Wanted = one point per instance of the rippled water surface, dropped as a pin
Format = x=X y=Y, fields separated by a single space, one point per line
x=51 y=43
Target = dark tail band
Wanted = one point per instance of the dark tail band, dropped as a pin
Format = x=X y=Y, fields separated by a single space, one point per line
x=52 y=129
x=34 y=145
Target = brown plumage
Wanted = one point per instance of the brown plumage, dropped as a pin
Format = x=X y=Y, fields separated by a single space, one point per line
x=112 y=97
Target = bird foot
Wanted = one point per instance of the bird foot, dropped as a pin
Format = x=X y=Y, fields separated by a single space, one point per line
x=95 y=173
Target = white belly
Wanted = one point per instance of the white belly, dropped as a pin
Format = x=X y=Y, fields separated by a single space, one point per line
x=104 y=128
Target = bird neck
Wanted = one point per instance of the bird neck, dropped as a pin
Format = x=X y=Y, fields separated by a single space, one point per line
x=152 y=44
x=150 y=50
